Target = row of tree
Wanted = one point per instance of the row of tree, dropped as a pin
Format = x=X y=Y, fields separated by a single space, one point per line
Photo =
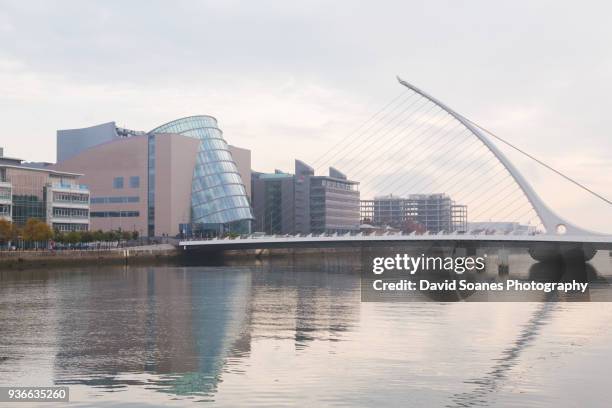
x=38 y=234
x=34 y=231
x=74 y=237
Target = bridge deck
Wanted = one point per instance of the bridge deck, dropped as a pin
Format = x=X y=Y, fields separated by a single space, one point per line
x=600 y=242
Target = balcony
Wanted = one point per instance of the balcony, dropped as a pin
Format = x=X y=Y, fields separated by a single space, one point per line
x=69 y=195
x=69 y=220
x=72 y=216
x=72 y=187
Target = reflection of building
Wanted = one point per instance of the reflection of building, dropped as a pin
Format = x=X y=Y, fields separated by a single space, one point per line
x=48 y=195
x=424 y=212
x=304 y=203
x=178 y=177
x=180 y=332
x=178 y=326
x=312 y=297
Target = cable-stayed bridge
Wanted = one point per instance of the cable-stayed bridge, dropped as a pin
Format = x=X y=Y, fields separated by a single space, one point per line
x=416 y=144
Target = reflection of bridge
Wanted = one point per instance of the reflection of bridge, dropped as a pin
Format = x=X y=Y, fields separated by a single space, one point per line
x=558 y=236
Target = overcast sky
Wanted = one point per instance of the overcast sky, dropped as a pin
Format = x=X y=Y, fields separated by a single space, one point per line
x=286 y=78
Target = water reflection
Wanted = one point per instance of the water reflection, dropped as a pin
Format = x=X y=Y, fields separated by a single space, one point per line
x=179 y=324
x=581 y=272
x=318 y=296
x=489 y=383
x=287 y=331
x=187 y=326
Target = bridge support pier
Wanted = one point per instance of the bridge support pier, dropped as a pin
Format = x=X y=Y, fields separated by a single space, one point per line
x=503 y=261
x=561 y=251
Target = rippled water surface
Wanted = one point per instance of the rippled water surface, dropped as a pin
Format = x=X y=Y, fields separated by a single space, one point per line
x=277 y=335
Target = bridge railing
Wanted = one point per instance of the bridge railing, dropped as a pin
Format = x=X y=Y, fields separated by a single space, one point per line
x=361 y=234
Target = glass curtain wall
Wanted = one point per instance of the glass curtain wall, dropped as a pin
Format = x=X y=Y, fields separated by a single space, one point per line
x=218 y=195
x=29 y=199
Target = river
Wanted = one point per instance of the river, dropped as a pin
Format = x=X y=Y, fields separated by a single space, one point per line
x=285 y=333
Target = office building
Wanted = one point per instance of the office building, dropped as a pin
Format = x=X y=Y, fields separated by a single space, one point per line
x=179 y=178
x=334 y=203
x=304 y=203
x=55 y=197
x=274 y=202
x=419 y=212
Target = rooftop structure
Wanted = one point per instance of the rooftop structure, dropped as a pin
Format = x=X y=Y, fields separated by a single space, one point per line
x=71 y=142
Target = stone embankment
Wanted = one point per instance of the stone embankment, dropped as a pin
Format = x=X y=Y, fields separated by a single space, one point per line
x=148 y=254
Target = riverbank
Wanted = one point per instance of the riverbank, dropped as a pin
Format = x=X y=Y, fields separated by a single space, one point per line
x=169 y=254
x=140 y=255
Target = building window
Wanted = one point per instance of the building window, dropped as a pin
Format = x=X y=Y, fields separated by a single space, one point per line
x=115 y=199
x=59 y=212
x=135 y=182
x=114 y=214
x=5 y=210
x=5 y=193
x=118 y=182
x=70 y=197
x=70 y=227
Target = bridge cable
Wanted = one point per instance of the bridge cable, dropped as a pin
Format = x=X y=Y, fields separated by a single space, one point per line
x=351 y=133
x=392 y=150
x=388 y=128
x=367 y=142
x=540 y=162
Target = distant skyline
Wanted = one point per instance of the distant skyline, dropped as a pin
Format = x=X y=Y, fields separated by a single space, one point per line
x=288 y=79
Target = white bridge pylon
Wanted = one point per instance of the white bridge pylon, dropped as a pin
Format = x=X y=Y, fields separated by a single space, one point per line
x=553 y=223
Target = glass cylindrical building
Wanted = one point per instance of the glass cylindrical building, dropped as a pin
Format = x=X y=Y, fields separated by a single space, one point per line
x=218 y=197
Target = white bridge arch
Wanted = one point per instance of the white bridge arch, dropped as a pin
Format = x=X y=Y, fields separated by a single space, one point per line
x=553 y=223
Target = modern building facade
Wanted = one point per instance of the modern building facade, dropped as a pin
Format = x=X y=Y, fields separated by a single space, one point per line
x=218 y=193
x=334 y=203
x=54 y=197
x=419 y=212
x=179 y=178
x=274 y=202
x=303 y=203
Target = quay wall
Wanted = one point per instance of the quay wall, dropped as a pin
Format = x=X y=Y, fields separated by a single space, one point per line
x=151 y=254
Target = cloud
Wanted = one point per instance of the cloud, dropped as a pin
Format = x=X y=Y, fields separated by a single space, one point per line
x=291 y=79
